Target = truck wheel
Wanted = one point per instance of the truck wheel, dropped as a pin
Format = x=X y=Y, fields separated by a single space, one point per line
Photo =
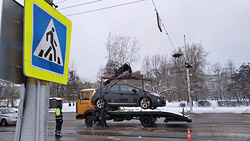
x=4 y=122
x=145 y=105
x=89 y=121
x=100 y=103
x=146 y=121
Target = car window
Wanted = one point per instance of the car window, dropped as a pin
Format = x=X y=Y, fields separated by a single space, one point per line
x=126 y=88
x=114 y=88
x=7 y=111
x=107 y=88
x=11 y=111
x=2 y=111
x=85 y=96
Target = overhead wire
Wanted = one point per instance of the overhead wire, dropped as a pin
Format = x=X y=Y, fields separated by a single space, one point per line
x=79 y=4
x=165 y=29
x=61 y=1
x=104 y=8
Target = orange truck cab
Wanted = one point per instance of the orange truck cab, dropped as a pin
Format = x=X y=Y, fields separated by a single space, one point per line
x=84 y=106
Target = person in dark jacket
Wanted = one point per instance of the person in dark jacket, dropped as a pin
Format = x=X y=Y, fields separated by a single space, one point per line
x=59 y=120
x=103 y=113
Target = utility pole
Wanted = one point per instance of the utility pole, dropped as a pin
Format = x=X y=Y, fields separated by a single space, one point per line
x=189 y=87
x=188 y=66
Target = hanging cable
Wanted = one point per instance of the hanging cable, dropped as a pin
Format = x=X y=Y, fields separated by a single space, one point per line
x=109 y=7
x=160 y=22
x=80 y=4
x=168 y=35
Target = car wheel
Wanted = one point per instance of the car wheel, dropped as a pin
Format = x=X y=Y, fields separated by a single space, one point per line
x=89 y=120
x=145 y=105
x=4 y=122
x=100 y=103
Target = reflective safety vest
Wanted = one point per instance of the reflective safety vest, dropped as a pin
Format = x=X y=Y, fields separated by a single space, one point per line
x=58 y=113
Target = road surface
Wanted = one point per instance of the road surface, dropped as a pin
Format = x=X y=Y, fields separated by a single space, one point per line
x=204 y=127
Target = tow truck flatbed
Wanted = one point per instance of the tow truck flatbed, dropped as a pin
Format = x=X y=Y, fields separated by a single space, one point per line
x=170 y=116
x=146 y=117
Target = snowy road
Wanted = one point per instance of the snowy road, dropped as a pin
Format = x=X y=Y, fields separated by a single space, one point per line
x=203 y=127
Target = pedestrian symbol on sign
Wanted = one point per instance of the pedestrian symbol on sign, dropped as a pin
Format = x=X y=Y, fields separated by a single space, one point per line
x=49 y=46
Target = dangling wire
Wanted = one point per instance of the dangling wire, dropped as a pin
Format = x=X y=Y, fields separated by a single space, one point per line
x=164 y=27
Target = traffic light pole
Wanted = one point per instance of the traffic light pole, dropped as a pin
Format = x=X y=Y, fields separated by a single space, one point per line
x=189 y=91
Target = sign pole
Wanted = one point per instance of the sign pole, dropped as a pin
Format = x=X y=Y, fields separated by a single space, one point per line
x=43 y=59
x=33 y=111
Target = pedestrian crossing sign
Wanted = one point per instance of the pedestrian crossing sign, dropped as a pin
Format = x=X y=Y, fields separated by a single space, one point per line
x=46 y=42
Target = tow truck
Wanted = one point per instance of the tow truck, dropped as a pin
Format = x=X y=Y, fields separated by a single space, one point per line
x=85 y=109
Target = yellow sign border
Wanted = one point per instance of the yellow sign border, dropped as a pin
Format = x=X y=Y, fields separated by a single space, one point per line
x=29 y=70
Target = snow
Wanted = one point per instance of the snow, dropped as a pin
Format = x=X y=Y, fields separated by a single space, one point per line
x=65 y=108
x=175 y=108
x=213 y=109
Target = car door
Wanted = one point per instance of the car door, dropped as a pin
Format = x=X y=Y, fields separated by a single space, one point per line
x=111 y=94
x=128 y=96
x=84 y=101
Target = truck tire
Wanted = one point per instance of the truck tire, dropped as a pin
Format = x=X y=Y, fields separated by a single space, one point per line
x=89 y=120
x=147 y=121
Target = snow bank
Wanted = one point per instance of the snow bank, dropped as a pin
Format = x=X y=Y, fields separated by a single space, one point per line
x=175 y=107
x=65 y=108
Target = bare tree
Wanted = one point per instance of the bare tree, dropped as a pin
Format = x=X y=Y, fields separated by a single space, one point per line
x=169 y=75
x=228 y=79
x=71 y=89
x=121 y=49
x=157 y=68
x=219 y=73
x=10 y=92
x=196 y=56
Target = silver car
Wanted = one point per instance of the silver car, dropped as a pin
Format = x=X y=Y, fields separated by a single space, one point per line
x=7 y=116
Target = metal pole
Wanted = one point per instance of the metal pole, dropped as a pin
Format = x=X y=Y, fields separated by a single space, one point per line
x=28 y=118
x=44 y=110
x=38 y=95
x=20 y=113
x=33 y=113
x=189 y=91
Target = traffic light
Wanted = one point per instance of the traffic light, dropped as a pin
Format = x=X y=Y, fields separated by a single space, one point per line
x=176 y=55
x=187 y=65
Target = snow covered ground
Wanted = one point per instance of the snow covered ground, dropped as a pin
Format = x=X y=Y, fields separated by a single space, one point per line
x=213 y=109
x=175 y=107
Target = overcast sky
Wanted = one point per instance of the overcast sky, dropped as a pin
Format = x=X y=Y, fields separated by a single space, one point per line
x=222 y=26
